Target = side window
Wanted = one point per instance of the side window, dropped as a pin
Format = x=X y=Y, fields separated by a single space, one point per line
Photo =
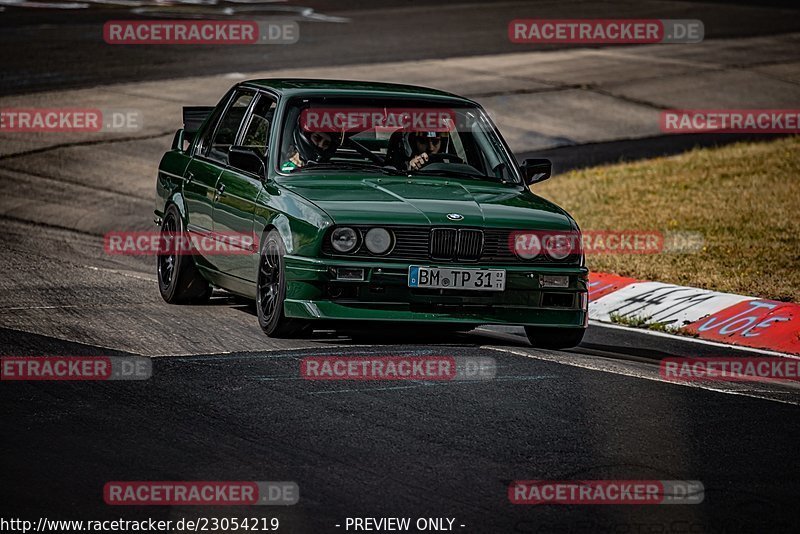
x=257 y=133
x=228 y=127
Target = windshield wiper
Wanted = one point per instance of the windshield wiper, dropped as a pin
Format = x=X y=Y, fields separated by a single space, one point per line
x=353 y=167
x=459 y=174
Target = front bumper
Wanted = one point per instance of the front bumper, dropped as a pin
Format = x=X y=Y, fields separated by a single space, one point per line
x=313 y=292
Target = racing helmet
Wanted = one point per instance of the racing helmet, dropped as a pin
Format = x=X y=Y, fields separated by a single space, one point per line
x=423 y=137
x=311 y=151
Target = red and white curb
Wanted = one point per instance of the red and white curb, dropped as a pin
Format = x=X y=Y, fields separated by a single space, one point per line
x=721 y=317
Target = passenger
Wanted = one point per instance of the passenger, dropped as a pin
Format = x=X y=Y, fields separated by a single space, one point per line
x=310 y=146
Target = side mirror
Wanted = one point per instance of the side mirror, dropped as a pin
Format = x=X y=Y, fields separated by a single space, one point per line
x=536 y=170
x=177 y=140
x=247 y=159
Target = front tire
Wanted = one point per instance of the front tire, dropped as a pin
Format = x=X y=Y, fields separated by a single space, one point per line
x=179 y=280
x=554 y=338
x=271 y=290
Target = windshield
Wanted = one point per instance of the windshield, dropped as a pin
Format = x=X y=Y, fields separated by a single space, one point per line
x=392 y=136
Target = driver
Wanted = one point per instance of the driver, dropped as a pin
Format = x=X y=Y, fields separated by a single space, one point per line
x=310 y=146
x=423 y=145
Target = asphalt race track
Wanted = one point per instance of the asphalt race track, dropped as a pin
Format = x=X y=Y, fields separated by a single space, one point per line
x=408 y=450
x=69 y=53
x=226 y=403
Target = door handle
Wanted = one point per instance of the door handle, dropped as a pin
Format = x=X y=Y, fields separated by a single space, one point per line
x=219 y=191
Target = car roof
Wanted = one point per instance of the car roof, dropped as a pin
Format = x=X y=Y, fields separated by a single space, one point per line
x=315 y=87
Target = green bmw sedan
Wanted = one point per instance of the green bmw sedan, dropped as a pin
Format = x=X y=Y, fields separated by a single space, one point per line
x=355 y=201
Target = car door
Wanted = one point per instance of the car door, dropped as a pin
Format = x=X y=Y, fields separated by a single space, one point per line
x=237 y=191
x=210 y=160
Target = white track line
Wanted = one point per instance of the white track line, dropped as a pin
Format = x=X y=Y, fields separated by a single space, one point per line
x=625 y=368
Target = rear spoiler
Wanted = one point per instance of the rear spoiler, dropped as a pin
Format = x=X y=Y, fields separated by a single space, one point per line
x=193 y=118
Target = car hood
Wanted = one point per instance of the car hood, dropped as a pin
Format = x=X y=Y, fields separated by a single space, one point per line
x=428 y=201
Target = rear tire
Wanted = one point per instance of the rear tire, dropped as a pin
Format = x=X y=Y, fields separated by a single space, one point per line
x=179 y=280
x=554 y=338
x=271 y=291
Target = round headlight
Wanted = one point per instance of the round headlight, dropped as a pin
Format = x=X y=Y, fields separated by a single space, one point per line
x=527 y=245
x=378 y=241
x=344 y=239
x=558 y=246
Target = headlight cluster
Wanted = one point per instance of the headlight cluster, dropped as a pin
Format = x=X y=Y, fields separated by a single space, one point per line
x=344 y=239
x=559 y=247
x=378 y=241
x=529 y=245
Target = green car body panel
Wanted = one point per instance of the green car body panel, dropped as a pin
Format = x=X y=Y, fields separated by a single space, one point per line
x=303 y=209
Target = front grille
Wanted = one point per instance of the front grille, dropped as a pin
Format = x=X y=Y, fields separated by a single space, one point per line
x=490 y=245
x=470 y=244
x=498 y=246
x=443 y=243
x=408 y=243
x=461 y=244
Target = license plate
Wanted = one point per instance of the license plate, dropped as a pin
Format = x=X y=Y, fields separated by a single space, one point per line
x=471 y=279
